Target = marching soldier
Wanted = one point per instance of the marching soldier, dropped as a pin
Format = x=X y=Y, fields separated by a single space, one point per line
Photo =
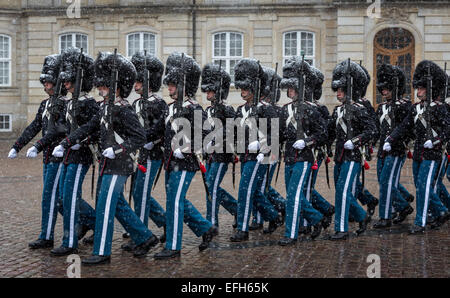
x=150 y=109
x=253 y=148
x=430 y=122
x=270 y=95
x=182 y=160
x=391 y=82
x=120 y=136
x=317 y=200
x=52 y=165
x=216 y=84
x=352 y=128
x=78 y=158
x=304 y=130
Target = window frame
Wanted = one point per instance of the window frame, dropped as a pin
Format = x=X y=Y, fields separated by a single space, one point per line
x=141 y=42
x=74 y=40
x=298 y=46
x=227 y=58
x=9 y=123
x=9 y=59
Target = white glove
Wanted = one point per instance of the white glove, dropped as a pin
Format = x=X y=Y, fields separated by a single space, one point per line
x=32 y=152
x=299 y=145
x=149 y=146
x=260 y=157
x=75 y=147
x=58 y=151
x=109 y=153
x=177 y=153
x=428 y=144
x=12 y=153
x=349 y=145
x=254 y=146
x=387 y=147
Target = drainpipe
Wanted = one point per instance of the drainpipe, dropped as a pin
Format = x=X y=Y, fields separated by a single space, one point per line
x=193 y=28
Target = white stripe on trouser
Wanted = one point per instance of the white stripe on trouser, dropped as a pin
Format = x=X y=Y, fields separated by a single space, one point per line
x=106 y=216
x=144 y=192
x=214 y=197
x=439 y=173
x=175 y=216
x=73 y=205
x=389 y=190
x=354 y=187
x=52 y=202
x=344 y=196
x=397 y=181
x=308 y=196
x=427 y=195
x=249 y=193
x=297 y=200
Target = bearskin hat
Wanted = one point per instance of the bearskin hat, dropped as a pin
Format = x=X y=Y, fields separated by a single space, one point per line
x=176 y=69
x=356 y=72
x=291 y=72
x=271 y=80
x=126 y=72
x=386 y=77
x=154 y=66
x=367 y=81
x=246 y=73
x=319 y=82
x=70 y=58
x=437 y=74
x=50 y=69
x=211 y=80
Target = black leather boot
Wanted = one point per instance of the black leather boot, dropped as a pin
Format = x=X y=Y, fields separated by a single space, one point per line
x=287 y=241
x=416 y=230
x=167 y=254
x=239 y=236
x=371 y=206
x=142 y=249
x=63 y=251
x=129 y=246
x=382 y=224
x=207 y=237
x=162 y=239
x=402 y=215
x=40 y=243
x=363 y=225
x=339 y=236
x=96 y=260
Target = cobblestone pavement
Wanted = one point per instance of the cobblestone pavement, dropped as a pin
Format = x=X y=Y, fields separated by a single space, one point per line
x=401 y=255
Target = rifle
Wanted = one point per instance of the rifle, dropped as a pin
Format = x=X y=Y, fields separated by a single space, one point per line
x=56 y=106
x=429 y=132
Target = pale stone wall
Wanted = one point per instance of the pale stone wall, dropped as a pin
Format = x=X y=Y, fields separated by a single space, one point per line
x=341 y=31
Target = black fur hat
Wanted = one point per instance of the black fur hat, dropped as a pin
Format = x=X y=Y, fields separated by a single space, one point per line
x=154 y=66
x=367 y=81
x=291 y=73
x=70 y=58
x=175 y=73
x=356 y=72
x=387 y=75
x=319 y=82
x=211 y=80
x=50 y=69
x=437 y=74
x=126 y=70
x=271 y=80
x=246 y=73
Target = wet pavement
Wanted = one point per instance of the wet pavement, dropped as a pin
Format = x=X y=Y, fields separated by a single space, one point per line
x=401 y=255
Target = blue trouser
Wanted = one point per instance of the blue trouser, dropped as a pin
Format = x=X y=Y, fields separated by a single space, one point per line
x=405 y=193
x=317 y=200
x=51 y=200
x=296 y=201
x=346 y=174
x=252 y=174
x=179 y=209
x=142 y=189
x=439 y=187
x=363 y=195
x=278 y=202
x=76 y=210
x=388 y=180
x=111 y=203
x=308 y=214
x=214 y=176
x=424 y=173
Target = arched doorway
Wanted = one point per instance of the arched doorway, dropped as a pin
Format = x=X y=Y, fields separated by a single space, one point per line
x=396 y=47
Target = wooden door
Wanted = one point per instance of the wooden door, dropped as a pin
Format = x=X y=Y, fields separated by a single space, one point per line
x=394 y=46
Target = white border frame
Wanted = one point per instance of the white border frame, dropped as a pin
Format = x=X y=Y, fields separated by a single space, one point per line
x=10 y=123
x=10 y=63
x=141 y=41
x=227 y=58
x=298 y=32
x=74 y=40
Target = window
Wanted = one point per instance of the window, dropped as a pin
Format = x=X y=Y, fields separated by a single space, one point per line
x=5 y=60
x=74 y=40
x=298 y=43
x=138 y=42
x=228 y=47
x=5 y=122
